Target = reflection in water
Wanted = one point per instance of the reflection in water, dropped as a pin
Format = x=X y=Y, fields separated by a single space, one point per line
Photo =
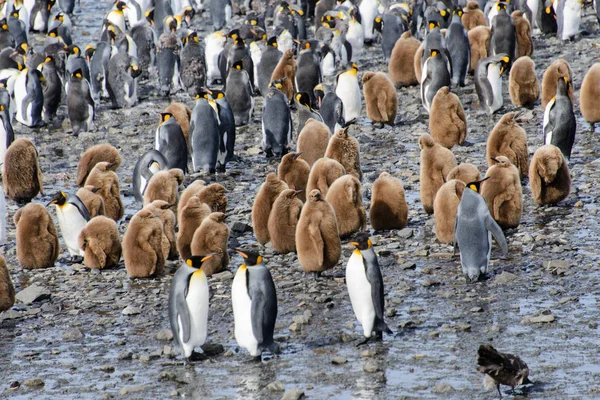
x=253 y=377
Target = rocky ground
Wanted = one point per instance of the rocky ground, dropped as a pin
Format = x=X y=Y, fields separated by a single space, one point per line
x=98 y=334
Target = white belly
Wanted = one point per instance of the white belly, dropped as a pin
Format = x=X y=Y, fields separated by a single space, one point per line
x=328 y=65
x=197 y=302
x=533 y=6
x=571 y=19
x=20 y=91
x=359 y=290
x=368 y=11
x=496 y=84
x=424 y=86
x=38 y=23
x=212 y=60
x=71 y=223
x=2 y=142
x=349 y=92
x=242 y=314
x=356 y=37
x=547 y=135
x=2 y=217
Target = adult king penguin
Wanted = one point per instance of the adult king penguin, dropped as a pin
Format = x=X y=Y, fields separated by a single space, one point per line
x=72 y=218
x=559 y=120
x=488 y=81
x=348 y=90
x=254 y=305
x=473 y=232
x=435 y=75
x=188 y=305
x=457 y=42
x=276 y=121
x=365 y=287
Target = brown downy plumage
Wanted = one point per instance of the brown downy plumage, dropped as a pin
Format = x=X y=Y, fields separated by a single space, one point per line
x=191 y=217
x=501 y=368
x=283 y=221
x=286 y=69
x=99 y=238
x=417 y=62
x=313 y=140
x=523 y=30
x=212 y=237
x=165 y=213
x=164 y=185
x=143 y=245
x=502 y=192
x=380 y=97
x=465 y=172
x=558 y=69
x=317 y=239
x=473 y=16
x=21 y=173
x=103 y=176
x=523 y=84
x=94 y=155
x=182 y=115
x=37 y=239
x=346 y=199
x=479 y=38
x=190 y=191
x=510 y=140
x=294 y=171
x=344 y=148
x=589 y=95
x=445 y=207
x=215 y=196
x=401 y=66
x=92 y=200
x=436 y=163
x=388 y=205
x=323 y=173
x=263 y=202
x=549 y=175
x=447 y=120
x=7 y=290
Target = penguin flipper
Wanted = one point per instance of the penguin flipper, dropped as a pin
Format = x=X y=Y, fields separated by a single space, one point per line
x=492 y=226
x=76 y=201
x=374 y=277
x=264 y=307
x=183 y=314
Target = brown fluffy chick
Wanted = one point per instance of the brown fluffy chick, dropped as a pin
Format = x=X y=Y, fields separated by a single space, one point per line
x=283 y=221
x=191 y=190
x=436 y=163
x=447 y=120
x=92 y=200
x=401 y=65
x=558 y=69
x=501 y=368
x=94 y=155
x=286 y=69
x=212 y=236
x=7 y=290
x=380 y=97
x=182 y=115
x=523 y=84
x=36 y=236
x=143 y=245
x=165 y=213
x=313 y=140
x=388 y=204
x=465 y=172
x=323 y=173
x=503 y=194
x=479 y=39
x=345 y=149
x=294 y=171
x=263 y=202
x=21 y=174
x=215 y=195
x=510 y=140
x=346 y=199
x=103 y=176
x=164 y=185
x=549 y=175
x=99 y=239
x=473 y=16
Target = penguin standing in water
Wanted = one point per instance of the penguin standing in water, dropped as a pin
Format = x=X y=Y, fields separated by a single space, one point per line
x=473 y=231
x=52 y=89
x=72 y=218
x=254 y=300
x=188 y=305
x=226 y=126
x=365 y=287
x=457 y=42
x=29 y=97
x=276 y=121
x=559 y=120
x=488 y=81
x=147 y=165
x=331 y=108
x=239 y=93
x=205 y=134
x=348 y=90
x=170 y=142
x=80 y=105
x=435 y=75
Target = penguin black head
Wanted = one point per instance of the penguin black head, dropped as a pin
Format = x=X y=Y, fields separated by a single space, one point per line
x=203 y=93
x=59 y=199
x=77 y=74
x=251 y=258
x=21 y=49
x=74 y=49
x=193 y=36
x=165 y=116
x=89 y=51
x=239 y=41
x=59 y=17
x=562 y=85
x=362 y=242
x=501 y=6
x=51 y=4
x=458 y=11
x=150 y=16
x=434 y=24
x=53 y=32
x=3 y=24
x=49 y=58
x=303 y=99
x=217 y=94
x=120 y=5
x=504 y=61
x=378 y=24
x=475 y=186
x=188 y=13
x=319 y=92
x=278 y=83
x=234 y=33
x=239 y=65
x=272 y=41
x=196 y=261
x=15 y=14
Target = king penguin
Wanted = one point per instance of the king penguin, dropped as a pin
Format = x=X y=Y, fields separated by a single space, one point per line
x=457 y=42
x=29 y=97
x=331 y=107
x=435 y=75
x=7 y=135
x=72 y=218
x=147 y=165
x=169 y=140
x=488 y=81
x=348 y=90
x=80 y=105
x=559 y=120
x=188 y=305
x=239 y=93
x=52 y=89
x=205 y=134
x=568 y=18
x=504 y=34
x=226 y=126
x=276 y=121
x=473 y=231
x=254 y=302
x=269 y=59
x=365 y=287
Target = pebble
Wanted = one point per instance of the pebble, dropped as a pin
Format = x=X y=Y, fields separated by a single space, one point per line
x=72 y=335
x=131 y=310
x=405 y=233
x=131 y=389
x=107 y=368
x=276 y=386
x=370 y=367
x=33 y=383
x=223 y=276
x=504 y=278
x=293 y=394
x=544 y=318
x=32 y=294
x=339 y=360
x=443 y=388
x=125 y=355
x=164 y=334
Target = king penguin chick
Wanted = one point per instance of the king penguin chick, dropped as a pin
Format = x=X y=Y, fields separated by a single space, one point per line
x=313 y=140
x=380 y=98
x=254 y=301
x=447 y=120
x=473 y=16
x=323 y=173
x=276 y=121
x=21 y=173
x=445 y=206
x=558 y=69
x=37 y=240
x=401 y=67
x=488 y=81
x=191 y=190
x=99 y=239
x=365 y=287
x=283 y=220
x=479 y=39
x=294 y=171
x=348 y=90
x=239 y=93
x=72 y=218
x=92 y=156
x=80 y=105
x=164 y=185
x=165 y=212
x=559 y=119
x=188 y=305
x=285 y=73
x=436 y=163
x=504 y=34
x=103 y=175
x=388 y=204
x=345 y=149
x=7 y=290
x=263 y=203
x=502 y=192
x=457 y=42
x=143 y=246
x=501 y=368
x=212 y=236
x=192 y=67
x=473 y=233
x=171 y=142
x=523 y=84
x=523 y=31
x=215 y=196
x=589 y=95
x=182 y=115
x=147 y=165
x=510 y=140
x=346 y=198
x=317 y=239
x=205 y=137
x=92 y=200
x=549 y=175
x=190 y=219
x=465 y=172
x=435 y=74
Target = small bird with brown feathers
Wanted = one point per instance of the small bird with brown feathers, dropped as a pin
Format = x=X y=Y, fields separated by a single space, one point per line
x=501 y=368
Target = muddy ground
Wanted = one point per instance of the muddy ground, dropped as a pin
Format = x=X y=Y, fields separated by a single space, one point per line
x=99 y=334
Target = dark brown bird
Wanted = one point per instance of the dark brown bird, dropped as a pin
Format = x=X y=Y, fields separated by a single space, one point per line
x=21 y=173
x=94 y=155
x=502 y=368
x=294 y=171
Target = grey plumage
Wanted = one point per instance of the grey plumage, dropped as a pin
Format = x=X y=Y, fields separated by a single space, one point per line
x=121 y=80
x=276 y=123
x=142 y=172
x=67 y=6
x=331 y=110
x=167 y=61
x=268 y=61
x=52 y=89
x=436 y=74
x=170 y=142
x=308 y=73
x=459 y=49
x=205 y=136
x=38 y=17
x=261 y=290
x=34 y=97
x=98 y=67
x=239 y=94
x=226 y=125
x=392 y=27
x=80 y=105
x=504 y=35
x=375 y=278
x=145 y=40
x=560 y=123
x=193 y=68
x=218 y=12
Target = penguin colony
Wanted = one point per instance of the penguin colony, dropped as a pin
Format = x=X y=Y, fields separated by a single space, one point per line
x=318 y=194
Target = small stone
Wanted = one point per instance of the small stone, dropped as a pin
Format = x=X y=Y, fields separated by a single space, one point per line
x=145 y=358
x=408 y=265
x=131 y=310
x=253 y=151
x=370 y=367
x=539 y=319
x=125 y=355
x=33 y=383
x=368 y=353
x=164 y=334
x=131 y=389
x=212 y=349
x=390 y=313
x=276 y=386
x=166 y=376
x=443 y=388
x=294 y=327
x=476 y=310
x=405 y=233
x=593 y=325
x=293 y=394
x=223 y=276
x=109 y=369
x=240 y=227
x=557 y=267
x=72 y=335
x=300 y=319
x=579 y=204
x=504 y=278
x=428 y=282
x=167 y=351
x=339 y=360
x=32 y=294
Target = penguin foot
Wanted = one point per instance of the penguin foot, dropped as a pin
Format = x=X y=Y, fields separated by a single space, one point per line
x=195 y=356
x=363 y=342
x=76 y=259
x=466 y=143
